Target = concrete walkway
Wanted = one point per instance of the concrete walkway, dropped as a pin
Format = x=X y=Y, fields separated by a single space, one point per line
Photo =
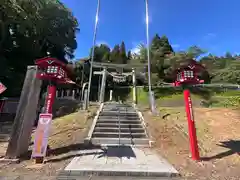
x=119 y=161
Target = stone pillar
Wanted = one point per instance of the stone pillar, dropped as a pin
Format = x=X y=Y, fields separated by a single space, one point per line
x=111 y=92
x=62 y=93
x=134 y=86
x=25 y=115
x=85 y=100
x=57 y=93
x=73 y=94
x=103 y=85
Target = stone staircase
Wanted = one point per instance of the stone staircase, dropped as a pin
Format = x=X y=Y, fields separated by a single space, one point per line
x=119 y=124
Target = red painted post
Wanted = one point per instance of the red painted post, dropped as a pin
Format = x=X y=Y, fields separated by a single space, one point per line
x=191 y=126
x=51 y=94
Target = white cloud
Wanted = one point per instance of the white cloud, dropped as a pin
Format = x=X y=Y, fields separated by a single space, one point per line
x=176 y=46
x=135 y=50
x=209 y=36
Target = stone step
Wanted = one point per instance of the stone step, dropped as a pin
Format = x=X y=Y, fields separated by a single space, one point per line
x=117 y=111
x=114 y=121
x=64 y=176
x=104 y=129
x=114 y=125
x=124 y=141
x=118 y=117
x=123 y=110
x=117 y=135
x=118 y=114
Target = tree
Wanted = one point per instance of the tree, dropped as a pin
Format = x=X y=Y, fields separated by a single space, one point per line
x=142 y=55
x=129 y=55
x=195 y=52
x=101 y=53
x=30 y=30
x=115 y=54
x=122 y=54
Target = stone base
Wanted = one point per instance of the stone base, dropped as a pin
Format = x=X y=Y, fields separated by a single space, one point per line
x=119 y=161
x=11 y=161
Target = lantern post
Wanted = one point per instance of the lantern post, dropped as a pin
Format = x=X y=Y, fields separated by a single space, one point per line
x=54 y=72
x=191 y=126
x=187 y=75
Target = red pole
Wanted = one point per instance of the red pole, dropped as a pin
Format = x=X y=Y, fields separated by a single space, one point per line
x=191 y=126
x=51 y=94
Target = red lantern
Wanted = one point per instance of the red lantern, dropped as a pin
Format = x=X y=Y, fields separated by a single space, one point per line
x=52 y=69
x=55 y=72
x=188 y=74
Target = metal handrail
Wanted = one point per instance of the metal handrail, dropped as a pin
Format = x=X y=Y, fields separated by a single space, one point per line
x=119 y=129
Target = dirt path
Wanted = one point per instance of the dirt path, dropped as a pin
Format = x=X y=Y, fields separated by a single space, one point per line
x=67 y=135
x=219 y=162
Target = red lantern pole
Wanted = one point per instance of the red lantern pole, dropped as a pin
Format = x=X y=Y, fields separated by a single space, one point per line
x=51 y=94
x=191 y=126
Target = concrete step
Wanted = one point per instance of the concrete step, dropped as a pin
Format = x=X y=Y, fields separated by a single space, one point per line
x=118 y=117
x=114 y=125
x=64 y=176
x=116 y=113
x=119 y=109
x=123 y=130
x=115 y=141
x=117 y=135
x=117 y=121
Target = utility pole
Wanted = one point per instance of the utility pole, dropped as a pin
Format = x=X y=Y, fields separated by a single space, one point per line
x=151 y=95
x=92 y=55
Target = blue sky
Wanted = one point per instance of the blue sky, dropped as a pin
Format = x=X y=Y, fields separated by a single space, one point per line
x=213 y=25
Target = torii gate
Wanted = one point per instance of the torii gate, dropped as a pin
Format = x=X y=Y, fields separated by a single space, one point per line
x=118 y=76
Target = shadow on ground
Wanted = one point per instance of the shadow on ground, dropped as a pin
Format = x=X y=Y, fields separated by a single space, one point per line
x=60 y=151
x=111 y=151
x=118 y=151
x=232 y=146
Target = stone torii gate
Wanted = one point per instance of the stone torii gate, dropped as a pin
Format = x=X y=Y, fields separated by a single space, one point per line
x=120 y=76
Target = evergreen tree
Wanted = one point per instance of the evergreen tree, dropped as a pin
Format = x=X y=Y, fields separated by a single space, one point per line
x=129 y=55
x=165 y=45
x=123 y=56
x=115 y=54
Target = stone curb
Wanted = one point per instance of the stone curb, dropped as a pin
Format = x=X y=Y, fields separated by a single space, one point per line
x=87 y=140
x=78 y=173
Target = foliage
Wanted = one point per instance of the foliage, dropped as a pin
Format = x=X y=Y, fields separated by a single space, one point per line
x=29 y=30
x=219 y=69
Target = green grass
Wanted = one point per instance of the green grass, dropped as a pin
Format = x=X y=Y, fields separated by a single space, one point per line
x=227 y=99
x=228 y=93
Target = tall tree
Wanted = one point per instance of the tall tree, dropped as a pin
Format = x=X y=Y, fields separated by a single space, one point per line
x=165 y=45
x=30 y=30
x=129 y=55
x=123 y=56
x=115 y=54
x=101 y=53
